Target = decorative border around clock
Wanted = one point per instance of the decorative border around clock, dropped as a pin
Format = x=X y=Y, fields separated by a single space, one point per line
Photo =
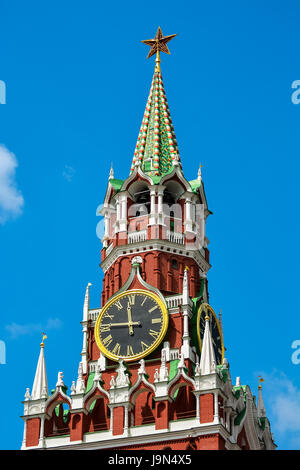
x=136 y=357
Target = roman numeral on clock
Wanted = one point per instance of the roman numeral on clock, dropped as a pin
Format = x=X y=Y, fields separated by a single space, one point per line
x=153 y=308
x=144 y=346
x=116 y=349
x=154 y=333
x=104 y=328
x=106 y=341
x=131 y=299
x=129 y=350
x=106 y=315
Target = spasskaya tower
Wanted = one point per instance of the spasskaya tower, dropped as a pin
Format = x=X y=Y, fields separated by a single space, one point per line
x=152 y=372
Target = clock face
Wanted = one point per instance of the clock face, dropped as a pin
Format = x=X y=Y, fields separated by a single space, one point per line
x=131 y=325
x=215 y=330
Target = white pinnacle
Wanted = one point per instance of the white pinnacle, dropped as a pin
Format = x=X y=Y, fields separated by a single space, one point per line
x=200 y=173
x=185 y=287
x=86 y=302
x=208 y=359
x=80 y=386
x=111 y=173
x=261 y=412
x=40 y=384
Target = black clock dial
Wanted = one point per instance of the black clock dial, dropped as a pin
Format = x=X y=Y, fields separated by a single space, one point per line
x=215 y=330
x=131 y=325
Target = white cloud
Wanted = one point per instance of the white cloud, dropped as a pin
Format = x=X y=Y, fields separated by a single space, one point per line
x=68 y=173
x=11 y=199
x=17 y=330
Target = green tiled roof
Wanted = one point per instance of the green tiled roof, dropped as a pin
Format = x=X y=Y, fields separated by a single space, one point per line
x=195 y=184
x=117 y=184
x=156 y=147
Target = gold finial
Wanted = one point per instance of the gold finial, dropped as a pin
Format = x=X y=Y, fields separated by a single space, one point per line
x=43 y=337
x=260 y=381
x=206 y=318
x=159 y=43
x=186 y=268
x=157 y=60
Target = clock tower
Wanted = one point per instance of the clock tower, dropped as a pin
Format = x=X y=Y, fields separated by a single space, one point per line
x=152 y=373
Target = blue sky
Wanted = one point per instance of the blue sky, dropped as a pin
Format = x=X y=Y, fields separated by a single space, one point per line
x=77 y=80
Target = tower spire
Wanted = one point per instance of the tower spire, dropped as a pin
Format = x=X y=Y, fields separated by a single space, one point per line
x=261 y=412
x=40 y=384
x=111 y=173
x=156 y=150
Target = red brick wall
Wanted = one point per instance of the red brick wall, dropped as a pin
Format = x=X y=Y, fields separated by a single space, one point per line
x=118 y=420
x=206 y=408
x=156 y=271
x=162 y=415
x=76 y=427
x=143 y=409
x=209 y=442
x=32 y=432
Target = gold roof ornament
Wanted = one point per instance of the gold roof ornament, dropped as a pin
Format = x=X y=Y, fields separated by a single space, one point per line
x=44 y=336
x=260 y=381
x=158 y=44
x=206 y=313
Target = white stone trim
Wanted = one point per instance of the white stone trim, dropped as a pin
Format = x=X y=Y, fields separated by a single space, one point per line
x=155 y=245
x=136 y=237
x=139 y=435
x=175 y=237
x=109 y=249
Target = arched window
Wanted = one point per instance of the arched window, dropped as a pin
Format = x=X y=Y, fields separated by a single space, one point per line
x=142 y=202
x=168 y=198
x=99 y=415
x=174 y=264
x=143 y=409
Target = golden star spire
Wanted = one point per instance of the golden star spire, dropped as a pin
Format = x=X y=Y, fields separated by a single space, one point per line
x=159 y=43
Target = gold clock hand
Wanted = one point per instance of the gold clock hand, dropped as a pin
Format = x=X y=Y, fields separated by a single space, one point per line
x=130 y=323
x=136 y=323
